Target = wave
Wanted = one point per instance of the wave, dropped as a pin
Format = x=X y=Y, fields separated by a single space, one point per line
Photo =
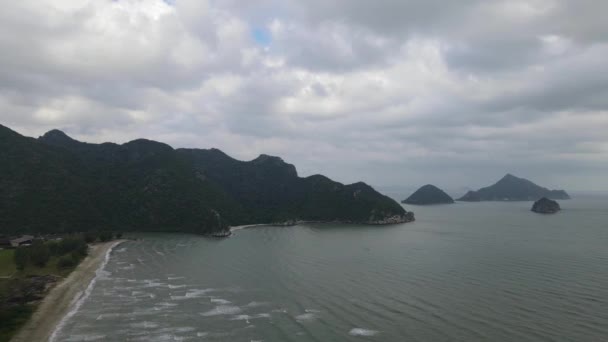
x=79 y=299
x=223 y=310
x=362 y=332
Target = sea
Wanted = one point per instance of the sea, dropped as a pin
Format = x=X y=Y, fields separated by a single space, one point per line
x=489 y=271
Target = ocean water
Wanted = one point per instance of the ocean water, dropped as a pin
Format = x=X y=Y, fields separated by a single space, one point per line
x=462 y=272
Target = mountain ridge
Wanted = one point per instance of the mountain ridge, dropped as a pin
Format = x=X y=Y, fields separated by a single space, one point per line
x=59 y=184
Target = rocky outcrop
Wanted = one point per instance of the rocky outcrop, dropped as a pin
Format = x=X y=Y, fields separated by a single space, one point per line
x=428 y=194
x=546 y=206
x=394 y=219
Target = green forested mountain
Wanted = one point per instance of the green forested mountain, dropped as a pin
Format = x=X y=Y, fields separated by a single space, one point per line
x=511 y=188
x=58 y=184
x=428 y=194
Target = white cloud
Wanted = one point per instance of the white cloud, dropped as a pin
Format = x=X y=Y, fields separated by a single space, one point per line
x=386 y=91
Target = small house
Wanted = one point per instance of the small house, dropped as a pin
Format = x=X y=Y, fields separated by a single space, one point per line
x=24 y=240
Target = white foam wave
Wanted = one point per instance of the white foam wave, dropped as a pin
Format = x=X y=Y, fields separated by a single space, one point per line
x=362 y=332
x=256 y=304
x=166 y=304
x=95 y=337
x=245 y=318
x=144 y=325
x=107 y=315
x=305 y=317
x=223 y=310
x=153 y=283
x=197 y=293
x=249 y=317
x=219 y=301
x=82 y=296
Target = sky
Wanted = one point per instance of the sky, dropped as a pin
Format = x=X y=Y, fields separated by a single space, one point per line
x=390 y=92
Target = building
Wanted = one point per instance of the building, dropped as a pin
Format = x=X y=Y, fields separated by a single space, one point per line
x=24 y=240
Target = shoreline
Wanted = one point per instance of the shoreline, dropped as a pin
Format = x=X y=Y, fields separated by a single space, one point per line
x=387 y=222
x=65 y=298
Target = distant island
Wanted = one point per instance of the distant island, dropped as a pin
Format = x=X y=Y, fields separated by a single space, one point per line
x=58 y=184
x=546 y=206
x=511 y=188
x=428 y=194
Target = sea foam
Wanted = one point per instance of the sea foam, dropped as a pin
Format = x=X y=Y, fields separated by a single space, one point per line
x=362 y=332
x=82 y=296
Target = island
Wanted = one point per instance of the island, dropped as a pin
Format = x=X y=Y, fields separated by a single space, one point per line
x=546 y=206
x=428 y=194
x=144 y=185
x=512 y=188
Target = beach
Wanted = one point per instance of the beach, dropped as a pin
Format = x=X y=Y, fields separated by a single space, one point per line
x=64 y=296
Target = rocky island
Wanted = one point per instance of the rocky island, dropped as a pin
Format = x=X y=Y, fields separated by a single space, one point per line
x=428 y=194
x=511 y=188
x=145 y=185
x=546 y=206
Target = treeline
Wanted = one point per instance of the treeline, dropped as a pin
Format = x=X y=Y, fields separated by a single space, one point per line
x=70 y=250
x=90 y=237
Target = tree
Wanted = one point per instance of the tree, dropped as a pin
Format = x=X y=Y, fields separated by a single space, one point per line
x=66 y=261
x=73 y=243
x=40 y=253
x=21 y=257
x=90 y=237
x=105 y=236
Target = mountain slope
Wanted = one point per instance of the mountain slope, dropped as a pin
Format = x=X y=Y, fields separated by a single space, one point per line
x=428 y=194
x=511 y=188
x=58 y=184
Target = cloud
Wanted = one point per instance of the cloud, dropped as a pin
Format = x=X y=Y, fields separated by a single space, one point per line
x=389 y=92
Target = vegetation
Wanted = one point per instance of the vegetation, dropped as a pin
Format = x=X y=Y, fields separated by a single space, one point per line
x=27 y=270
x=13 y=318
x=40 y=253
x=511 y=188
x=146 y=185
x=7 y=265
x=428 y=194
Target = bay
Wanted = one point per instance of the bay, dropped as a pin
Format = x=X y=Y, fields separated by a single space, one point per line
x=490 y=271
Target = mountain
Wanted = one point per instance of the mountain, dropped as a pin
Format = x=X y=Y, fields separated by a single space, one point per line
x=58 y=184
x=429 y=194
x=511 y=188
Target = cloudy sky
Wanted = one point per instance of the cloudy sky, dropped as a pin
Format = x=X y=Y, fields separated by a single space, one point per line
x=391 y=92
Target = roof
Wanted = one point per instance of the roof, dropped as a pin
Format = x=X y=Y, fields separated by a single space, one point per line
x=23 y=238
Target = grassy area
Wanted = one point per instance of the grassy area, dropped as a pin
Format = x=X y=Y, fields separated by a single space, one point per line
x=50 y=269
x=8 y=268
x=7 y=265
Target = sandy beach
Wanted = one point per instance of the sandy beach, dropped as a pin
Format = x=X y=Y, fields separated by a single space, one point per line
x=58 y=302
